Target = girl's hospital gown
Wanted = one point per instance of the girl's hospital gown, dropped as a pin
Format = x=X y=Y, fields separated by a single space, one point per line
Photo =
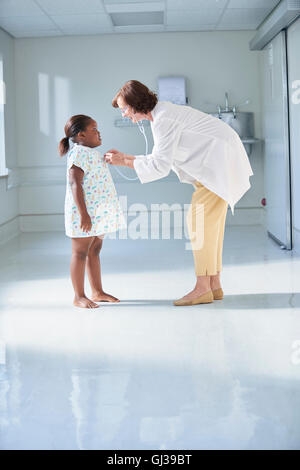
x=99 y=193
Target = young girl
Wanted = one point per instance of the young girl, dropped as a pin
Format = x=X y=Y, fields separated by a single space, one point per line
x=91 y=207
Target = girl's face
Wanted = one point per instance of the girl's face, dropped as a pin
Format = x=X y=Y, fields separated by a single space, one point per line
x=90 y=136
x=128 y=112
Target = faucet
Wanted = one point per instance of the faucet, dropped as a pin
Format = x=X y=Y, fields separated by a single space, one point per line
x=228 y=109
x=226 y=102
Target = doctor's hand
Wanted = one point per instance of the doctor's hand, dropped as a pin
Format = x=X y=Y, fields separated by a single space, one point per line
x=114 y=157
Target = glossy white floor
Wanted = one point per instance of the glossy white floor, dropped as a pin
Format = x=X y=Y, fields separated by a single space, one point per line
x=144 y=374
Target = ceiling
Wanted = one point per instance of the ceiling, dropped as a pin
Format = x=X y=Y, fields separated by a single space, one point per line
x=38 y=18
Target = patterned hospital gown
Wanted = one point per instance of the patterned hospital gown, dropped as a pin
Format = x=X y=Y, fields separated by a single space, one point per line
x=99 y=193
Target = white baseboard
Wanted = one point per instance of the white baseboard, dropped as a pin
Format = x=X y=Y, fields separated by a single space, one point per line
x=9 y=230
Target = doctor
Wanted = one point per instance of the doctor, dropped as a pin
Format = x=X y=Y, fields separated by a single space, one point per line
x=202 y=150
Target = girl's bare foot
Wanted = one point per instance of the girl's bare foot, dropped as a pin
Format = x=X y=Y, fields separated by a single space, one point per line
x=103 y=297
x=84 y=302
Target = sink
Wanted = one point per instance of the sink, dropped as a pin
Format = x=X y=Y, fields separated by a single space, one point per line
x=242 y=123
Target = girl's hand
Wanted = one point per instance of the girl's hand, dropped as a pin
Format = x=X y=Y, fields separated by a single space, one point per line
x=86 y=223
x=114 y=157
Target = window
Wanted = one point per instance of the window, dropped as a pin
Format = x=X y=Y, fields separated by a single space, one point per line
x=3 y=169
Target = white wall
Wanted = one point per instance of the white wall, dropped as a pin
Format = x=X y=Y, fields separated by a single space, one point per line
x=58 y=77
x=8 y=197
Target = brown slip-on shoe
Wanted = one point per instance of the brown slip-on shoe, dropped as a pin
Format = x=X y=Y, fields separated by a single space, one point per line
x=205 y=298
x=218 y=294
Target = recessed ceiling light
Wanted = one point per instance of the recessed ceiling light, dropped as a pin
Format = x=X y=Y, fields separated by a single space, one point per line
x=137 y=18
x=135 y=7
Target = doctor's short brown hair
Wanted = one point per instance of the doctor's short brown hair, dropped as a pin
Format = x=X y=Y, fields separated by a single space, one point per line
x=136 y=95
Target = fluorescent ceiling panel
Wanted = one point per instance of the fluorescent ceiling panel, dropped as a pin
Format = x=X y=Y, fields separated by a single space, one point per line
x=72 y=7
x=135 y=7
x=154 y=28
x=139 y=18
x=19 y=8
x=207 y=16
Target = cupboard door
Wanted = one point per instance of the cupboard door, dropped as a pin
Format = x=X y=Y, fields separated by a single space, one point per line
x=276 y=135
x=293 y=49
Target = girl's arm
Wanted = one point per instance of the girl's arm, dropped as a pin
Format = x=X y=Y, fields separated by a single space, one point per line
x=76 y=175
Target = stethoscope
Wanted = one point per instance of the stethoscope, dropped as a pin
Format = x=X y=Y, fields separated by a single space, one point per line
x=142 y=130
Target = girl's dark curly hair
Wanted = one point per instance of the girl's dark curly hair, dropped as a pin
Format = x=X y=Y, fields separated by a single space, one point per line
x=136 y=95
x=75 y=124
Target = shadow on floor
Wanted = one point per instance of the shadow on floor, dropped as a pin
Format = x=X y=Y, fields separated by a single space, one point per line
x=230 y=302
x=242 y=301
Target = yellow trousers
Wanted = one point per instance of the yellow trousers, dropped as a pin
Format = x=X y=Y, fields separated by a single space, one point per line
x=206 y=224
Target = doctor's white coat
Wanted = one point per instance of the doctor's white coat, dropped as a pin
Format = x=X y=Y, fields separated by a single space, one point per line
x=197 y=147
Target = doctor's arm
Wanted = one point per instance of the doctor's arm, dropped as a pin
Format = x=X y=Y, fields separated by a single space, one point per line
x=157 y=164
x=114 y=157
